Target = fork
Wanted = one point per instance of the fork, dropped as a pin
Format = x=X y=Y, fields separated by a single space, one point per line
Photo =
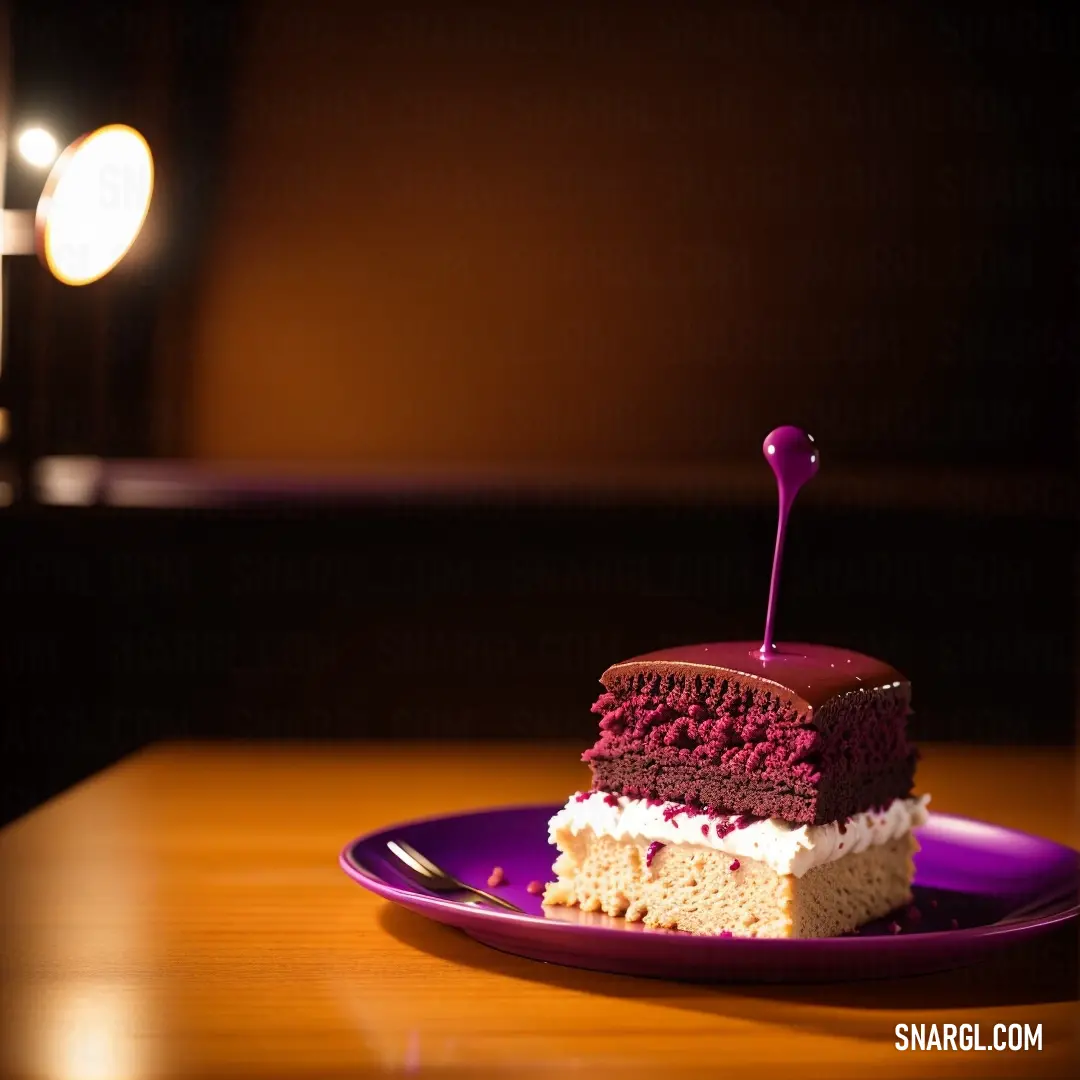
x=439 y=881
x=1040 y=907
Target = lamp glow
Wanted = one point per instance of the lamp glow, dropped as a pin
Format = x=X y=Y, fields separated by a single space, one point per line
x=37 y=147
x=94 y=204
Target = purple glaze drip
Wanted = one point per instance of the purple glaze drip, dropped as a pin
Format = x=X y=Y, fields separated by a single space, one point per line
x=611 y=799
x=734 y=864
x=806 y=675
x=582 y=796
x=651 y=851
x=794 y=459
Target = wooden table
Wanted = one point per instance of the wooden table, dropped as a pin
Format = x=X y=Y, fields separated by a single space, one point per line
x=183 y=915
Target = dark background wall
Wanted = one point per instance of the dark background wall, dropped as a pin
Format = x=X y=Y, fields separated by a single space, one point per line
x=496 y=620
x=576 y=237
x=638 y=232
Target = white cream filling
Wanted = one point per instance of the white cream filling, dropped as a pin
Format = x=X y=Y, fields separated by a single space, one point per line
x=786 y=847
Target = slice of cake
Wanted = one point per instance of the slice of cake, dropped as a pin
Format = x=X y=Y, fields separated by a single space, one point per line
x=743 y=795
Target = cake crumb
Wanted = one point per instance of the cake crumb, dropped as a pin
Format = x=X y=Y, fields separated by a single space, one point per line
x=914 y=914
x=933 y=903
x=894 y=927
x=496 y=877
x=953 y=924
x=535 y=888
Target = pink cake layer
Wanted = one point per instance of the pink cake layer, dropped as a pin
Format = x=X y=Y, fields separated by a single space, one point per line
x=811 y=741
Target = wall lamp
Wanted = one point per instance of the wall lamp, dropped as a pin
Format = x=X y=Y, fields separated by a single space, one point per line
x=92 y=206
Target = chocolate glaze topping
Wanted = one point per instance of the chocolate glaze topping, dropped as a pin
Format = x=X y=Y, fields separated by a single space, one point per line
x=807 y=675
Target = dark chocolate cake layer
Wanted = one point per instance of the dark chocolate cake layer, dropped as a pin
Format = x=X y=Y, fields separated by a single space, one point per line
x=811 y=736
x=711 y=789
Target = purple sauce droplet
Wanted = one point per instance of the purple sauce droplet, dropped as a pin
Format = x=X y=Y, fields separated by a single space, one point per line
x=651 y=851
x=794 y=458
x=725 y=828
x=672 y=812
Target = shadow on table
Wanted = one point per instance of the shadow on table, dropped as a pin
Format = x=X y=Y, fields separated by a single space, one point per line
x=1041 y=972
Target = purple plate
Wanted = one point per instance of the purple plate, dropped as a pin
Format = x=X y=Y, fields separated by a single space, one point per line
x=996 y=886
